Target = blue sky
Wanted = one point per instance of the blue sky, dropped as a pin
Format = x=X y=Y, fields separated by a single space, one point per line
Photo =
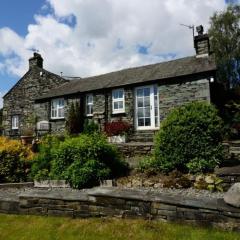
x=82 y=38
x=17 y=18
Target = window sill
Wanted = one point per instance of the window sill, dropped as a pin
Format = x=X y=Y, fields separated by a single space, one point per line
x=56 y=118
x=120 y=112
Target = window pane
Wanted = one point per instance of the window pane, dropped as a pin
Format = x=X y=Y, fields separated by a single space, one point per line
x=89 y=98
x=120 y=104
x=147 y=101
x=15 y=122
x=140 y=92
x=155 y=90
x=146 y=92
x=141 y=122
x=147 y=122
x=156 y=122
x=140 y=102
x=115 y=94
x=120 y=94
x=147 y=112
x=140 y=113
x=115 y=105
x=60 y=112
x=61 y=102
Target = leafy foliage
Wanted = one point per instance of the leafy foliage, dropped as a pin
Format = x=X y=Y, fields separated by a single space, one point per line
x=190 y=139
x=41 y=166
x=117 y=128
x=74 y=119
x=14 y=160
x=83 y=161
x=209 y=182
x=90 y=127
x=224 y=34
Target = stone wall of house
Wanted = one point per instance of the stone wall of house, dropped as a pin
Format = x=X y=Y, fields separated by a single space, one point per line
x=177 y=94
x=20 y=100
x=170 y=96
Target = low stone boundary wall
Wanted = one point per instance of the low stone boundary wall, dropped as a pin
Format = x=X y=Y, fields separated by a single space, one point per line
x=125 y=203
x=16 y=185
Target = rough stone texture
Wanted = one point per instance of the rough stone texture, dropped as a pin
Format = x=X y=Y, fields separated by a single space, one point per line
x=20 y=99
x=135 y=149
x=177 y=94
x=170 y=95
x=123 y=203
x=232 y=196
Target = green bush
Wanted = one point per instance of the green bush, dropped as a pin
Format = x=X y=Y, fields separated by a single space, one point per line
x=83 y=161
x=41 y=166
x=190 y=139
x=90 y=127
x=74 y=119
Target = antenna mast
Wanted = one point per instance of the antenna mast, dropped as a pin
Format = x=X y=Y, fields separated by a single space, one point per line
x=189 y=27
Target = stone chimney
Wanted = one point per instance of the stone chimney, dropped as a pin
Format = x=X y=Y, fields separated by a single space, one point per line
x=36 y=61
x=201 y=43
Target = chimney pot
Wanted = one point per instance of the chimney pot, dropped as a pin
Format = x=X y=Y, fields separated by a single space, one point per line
x=36 y=60
x=201 y=43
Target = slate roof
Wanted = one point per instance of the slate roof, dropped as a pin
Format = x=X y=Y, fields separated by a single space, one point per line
x=164 y=70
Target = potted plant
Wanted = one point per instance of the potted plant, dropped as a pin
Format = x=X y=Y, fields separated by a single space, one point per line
x=117 y=131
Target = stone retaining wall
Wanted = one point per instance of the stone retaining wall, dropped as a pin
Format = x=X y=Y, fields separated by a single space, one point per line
x=123 y=203
x=133 y=149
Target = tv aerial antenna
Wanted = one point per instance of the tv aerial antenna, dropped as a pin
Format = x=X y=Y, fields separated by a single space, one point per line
x=189 y=27
x=34 y=50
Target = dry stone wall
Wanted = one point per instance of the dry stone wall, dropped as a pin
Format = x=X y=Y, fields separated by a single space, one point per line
x=125 y=203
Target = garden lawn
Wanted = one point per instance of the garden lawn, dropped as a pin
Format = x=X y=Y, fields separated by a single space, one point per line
x=19 y=227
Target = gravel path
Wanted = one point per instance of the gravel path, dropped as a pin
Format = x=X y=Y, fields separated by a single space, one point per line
x=190 y=192
x=13 y=193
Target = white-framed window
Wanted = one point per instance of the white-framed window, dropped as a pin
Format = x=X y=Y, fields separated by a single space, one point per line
x=15 y=122
x=57 y=108
x=118 y=102
x=89 y=104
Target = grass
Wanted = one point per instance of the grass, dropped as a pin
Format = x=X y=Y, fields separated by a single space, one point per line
x=33 y=227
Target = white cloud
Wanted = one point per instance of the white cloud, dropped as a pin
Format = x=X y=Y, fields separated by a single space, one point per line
x=1 y=99
x=91 y=46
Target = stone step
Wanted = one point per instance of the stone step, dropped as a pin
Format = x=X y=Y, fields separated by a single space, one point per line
x=234 y=143
x=234 y=149
x=141 y=139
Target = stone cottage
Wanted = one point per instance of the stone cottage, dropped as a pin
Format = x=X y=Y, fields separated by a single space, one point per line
x=141 y=96
x=18 y=103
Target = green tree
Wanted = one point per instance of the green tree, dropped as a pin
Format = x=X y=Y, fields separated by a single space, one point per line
x=224 y=35
x=73 y=122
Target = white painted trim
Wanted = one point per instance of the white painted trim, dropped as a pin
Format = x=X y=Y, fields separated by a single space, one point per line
x=57 y=108
x=122 y=110
x=152 y=113
x=89 y=104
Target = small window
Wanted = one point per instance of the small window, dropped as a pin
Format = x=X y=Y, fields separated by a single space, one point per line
x=118 y=103
x=15 y=122
x=57 y=108
x=89 y=105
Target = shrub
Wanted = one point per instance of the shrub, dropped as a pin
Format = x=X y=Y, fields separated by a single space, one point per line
x=90 y=155
x=190 y=139
x=41 y=166
x=74 y=119
x=90 y=127
x=82 y=173
x=117 y=128
x=14 y=160
x=83 y=161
